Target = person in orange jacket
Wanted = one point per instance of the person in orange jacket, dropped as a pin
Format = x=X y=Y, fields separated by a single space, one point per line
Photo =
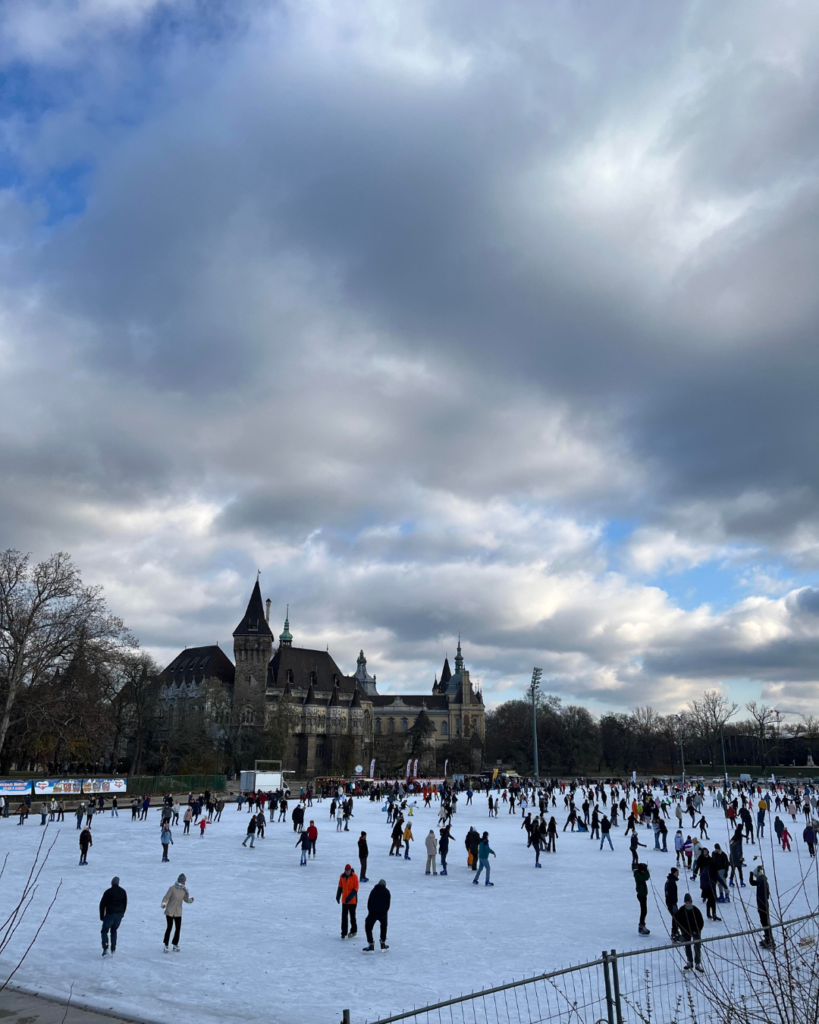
x=347 y=896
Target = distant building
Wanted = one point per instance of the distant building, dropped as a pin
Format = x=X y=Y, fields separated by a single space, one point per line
x=330 y=721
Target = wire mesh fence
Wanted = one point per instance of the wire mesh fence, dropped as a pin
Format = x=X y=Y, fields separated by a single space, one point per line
x=726 y=978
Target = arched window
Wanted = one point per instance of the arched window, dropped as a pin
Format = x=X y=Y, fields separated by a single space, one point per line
x=457 y=727
x=290 y=675
x=391 y=725
x=404 y=725
x=313 y=679
x=445 y=728
x=247 y=716
x=378 y=726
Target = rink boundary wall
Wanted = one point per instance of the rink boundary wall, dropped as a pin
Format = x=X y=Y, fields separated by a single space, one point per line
x=607 y=963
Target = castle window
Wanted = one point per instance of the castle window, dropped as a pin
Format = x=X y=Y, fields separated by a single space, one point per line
x=253 y=625
x=404 y=725
x=445 y=728
x=378 y=726
x=319 y=750
x=391 y=725
x=335 y=678
x=313 y=678
x=247 y=716
x=290 y=675
x=457 y=727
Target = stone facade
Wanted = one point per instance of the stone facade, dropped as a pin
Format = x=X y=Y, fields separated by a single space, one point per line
x=331 y=721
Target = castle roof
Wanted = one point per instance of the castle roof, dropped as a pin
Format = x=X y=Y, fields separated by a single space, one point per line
x=195 y=664
x=254 y=622
x=302 y=663
x=433 y=702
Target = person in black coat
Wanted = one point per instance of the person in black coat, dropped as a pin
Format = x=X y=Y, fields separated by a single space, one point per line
x=760 y=882
x=363 y=854
x=689 y=921
x=378 y=906
x=672 y=901
x=113 y=905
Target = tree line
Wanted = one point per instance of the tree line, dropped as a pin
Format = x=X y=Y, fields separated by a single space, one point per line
x=571 y=740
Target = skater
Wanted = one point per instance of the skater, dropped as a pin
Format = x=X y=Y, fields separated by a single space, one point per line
x=408 y=838
x=347 y=896
x=443 y=848
x=678 y=847
x=85 y=842
x=378 y=906
x=431 y=844
x=707 y=884
x=786 y=840
x=605 y=832
x=113 y=905
x=641 y=877
x=166 y=839
x=172 y=905
x=671 y=901
x=363 y=854
x=303 y=840
x=634 y=842
x=483 y=859
x=186 y=831
x=690 y=923
x=312 y=835
x=202 y=824
x=809 y=836
x=760 y=882
x=251 y=832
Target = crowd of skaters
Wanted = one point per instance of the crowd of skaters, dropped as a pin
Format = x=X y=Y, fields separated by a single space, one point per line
x=595 y=808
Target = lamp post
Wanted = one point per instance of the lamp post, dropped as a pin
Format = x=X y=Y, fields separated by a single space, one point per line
x=536 y=674
x=724 y=762
x=682 y=749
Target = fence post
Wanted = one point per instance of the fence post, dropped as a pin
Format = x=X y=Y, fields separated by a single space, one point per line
x=618 y=1009
x=607 y=977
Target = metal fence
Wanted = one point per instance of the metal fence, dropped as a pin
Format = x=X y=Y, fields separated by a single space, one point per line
x=150 y=784
x=739 y=982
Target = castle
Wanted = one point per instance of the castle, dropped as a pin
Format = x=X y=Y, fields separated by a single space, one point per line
x=327 y=722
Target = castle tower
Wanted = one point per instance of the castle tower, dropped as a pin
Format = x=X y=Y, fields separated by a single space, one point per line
x=253 y=645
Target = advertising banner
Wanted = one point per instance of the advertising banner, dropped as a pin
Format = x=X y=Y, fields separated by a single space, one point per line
x=409 y=768
x=104 y=785
x=415 y=769
x=10 y=787
x=44 y=787
x=372 y=768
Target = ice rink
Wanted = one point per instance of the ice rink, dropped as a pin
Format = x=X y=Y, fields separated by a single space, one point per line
x=262 y=940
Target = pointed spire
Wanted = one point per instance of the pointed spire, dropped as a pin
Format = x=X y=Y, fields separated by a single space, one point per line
x=356 y=701
x=435 y=684
x=446 y=674
x=311 y=695
x=253 y=623
x=459 y=661
x=286 y=637
x=287 y=693
x=334 y=702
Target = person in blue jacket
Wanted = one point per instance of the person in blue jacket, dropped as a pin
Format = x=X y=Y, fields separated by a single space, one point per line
x=484 y=850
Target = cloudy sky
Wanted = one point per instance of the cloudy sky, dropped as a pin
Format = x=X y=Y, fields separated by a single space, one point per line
x=477 y=317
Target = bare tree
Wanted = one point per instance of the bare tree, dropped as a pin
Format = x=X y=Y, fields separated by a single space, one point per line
x=763 y=716
x=710 y=712
x=46 y=616
x=136 y=703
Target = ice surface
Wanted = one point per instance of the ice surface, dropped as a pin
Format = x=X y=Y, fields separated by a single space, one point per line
x=262 y=939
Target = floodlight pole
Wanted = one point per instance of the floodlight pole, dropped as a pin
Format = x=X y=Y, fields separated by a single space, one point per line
x=682 y=749
x=536 y=674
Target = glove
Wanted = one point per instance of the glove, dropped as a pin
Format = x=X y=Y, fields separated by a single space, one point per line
x=338 y=899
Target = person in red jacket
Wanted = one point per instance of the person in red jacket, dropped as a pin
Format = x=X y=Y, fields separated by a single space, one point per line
x=347 y=896
x=312 y=835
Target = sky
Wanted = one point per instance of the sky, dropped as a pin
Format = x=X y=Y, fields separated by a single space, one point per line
x=469 y=318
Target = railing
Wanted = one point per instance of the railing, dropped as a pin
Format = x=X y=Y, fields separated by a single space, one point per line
x=650 y=985
x=151 y=784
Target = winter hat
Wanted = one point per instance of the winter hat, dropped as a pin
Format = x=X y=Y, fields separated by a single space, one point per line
x=182 y=879
x=348 y=867
x=688 y=898
x=115 y=880
x=382 y=881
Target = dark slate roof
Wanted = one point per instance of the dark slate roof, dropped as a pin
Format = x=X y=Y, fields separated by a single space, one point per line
x=334 y=702
x=254 y=622
x=195 y=664
x=311 y=696
x=412 y=700
x=446 y=675
x=301 y=662
x=356 y=701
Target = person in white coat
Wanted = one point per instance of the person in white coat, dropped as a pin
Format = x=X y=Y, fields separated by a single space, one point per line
x=431 y=844
x=172 y=905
